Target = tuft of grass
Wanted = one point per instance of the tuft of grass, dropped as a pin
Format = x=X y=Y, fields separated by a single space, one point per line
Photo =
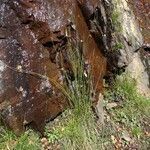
x=135 y=102
x=7 y=139
x=27 y=141
x=79 y=88
x=115 y=17
x=135 y=107
x=117 y=28
x=118 y=46
x=78 y=130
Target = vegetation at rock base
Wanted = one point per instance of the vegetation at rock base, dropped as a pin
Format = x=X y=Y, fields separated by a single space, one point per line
x=27 y=141
x=78 y=130
x=131 y=114
x=126 y=114
x=28 y=38
x=126 y=124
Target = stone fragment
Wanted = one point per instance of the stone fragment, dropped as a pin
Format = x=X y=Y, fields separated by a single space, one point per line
x=126 y=136
x=111 y=105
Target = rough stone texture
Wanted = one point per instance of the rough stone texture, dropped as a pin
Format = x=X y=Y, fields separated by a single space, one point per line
x=32 y=39
x=129 y=35
x=139 y=68
x=142 y=12
x=133 y=35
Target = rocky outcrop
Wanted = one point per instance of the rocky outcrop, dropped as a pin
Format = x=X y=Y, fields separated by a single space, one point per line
x=33 y=39
x=139 y=68
x=127 y=38
x=129 y=50
x=142 y=13
x=33 y=45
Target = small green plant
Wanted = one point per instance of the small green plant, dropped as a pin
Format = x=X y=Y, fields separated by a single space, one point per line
x=115 y=17
x=27 y=141
x=117 y=46
x=7 y=139
x=116 y=21
x=79 y=129
x=134 y=106
x=53 y=136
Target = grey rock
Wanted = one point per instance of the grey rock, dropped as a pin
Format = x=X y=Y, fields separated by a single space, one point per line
x=111 y=105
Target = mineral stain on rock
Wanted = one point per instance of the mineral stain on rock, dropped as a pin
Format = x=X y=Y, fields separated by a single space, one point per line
x=32 y=34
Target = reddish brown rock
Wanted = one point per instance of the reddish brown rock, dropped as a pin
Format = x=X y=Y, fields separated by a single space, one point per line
x=92 y=53
x=142 y=12
x=32 y=33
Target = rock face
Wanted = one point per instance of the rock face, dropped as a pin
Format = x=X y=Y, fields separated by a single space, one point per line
x=130 y=43
x=139 y=69
x=140 y=64
x=32 y=38
x=33 y=44
x=127 y=38
x=142 y=13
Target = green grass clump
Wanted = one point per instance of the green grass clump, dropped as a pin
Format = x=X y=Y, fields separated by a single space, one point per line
x=7 y=139
x=27 y=141
x=118 y=46
x=116 y=21
x=115 y=17
x=79 y=129
x=135 y=107
x=135 y=102
x=75 y=133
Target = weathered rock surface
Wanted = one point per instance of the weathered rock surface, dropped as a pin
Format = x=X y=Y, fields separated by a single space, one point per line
x=127 y=33
x=130 y=44
x=32 y=36
x=142 y=13
x=139 y=67
x=33 y=42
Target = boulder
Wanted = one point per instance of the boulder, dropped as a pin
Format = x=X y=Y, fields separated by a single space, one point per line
x=32 y=39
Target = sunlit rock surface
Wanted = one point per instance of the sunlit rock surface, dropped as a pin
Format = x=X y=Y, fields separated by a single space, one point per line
x=127 y=33
x=131 y=44
x=32 y=35
x=140 y=65
x=142 y=11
